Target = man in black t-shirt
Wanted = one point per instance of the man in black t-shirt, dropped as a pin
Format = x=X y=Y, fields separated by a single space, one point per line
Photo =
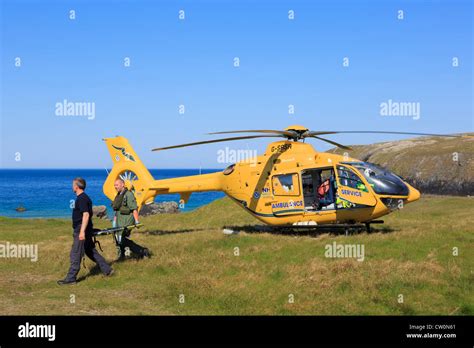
x=82 y=235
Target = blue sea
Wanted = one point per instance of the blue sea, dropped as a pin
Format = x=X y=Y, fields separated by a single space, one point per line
x=48 y=193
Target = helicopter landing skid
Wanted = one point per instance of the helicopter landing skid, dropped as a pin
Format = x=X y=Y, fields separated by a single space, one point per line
x=328 y=228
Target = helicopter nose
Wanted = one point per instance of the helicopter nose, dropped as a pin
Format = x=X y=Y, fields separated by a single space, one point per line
x=413 y=194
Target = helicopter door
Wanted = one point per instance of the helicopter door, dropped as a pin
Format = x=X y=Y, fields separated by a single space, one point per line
x=319 y=189
x=286 y=190
x=351 y=190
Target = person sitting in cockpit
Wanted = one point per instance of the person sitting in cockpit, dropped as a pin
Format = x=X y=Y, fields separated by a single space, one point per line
x=326 y=192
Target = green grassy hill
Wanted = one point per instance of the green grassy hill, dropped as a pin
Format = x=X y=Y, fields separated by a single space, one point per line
x=411 y=255
x=439 y=165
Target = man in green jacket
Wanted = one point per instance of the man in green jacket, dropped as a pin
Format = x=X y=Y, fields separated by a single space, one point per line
x=126 y=214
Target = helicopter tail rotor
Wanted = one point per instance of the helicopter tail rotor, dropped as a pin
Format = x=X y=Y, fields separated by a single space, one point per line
x=128 y=167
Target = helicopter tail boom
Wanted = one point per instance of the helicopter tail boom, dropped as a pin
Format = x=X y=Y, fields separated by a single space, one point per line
x=189 y=184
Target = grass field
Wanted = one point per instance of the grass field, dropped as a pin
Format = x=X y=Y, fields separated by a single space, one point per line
x=411 y=255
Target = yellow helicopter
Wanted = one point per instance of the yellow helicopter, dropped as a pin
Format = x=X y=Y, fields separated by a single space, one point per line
x=291 y=184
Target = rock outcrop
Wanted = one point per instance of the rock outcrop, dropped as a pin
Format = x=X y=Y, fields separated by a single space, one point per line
x=159 y=208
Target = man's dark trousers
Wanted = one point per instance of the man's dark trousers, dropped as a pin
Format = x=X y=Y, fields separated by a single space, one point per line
x=87 y=246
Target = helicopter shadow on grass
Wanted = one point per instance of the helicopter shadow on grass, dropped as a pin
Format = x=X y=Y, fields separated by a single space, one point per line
x=158 y=232
x=308 y=231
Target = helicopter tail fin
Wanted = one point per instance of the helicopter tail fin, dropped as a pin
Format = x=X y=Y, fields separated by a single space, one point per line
x=128 y=166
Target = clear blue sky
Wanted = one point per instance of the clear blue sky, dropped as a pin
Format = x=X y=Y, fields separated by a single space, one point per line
x=190 y=62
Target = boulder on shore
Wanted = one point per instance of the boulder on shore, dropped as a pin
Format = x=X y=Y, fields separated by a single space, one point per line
x=99 y=211
x=159 y=208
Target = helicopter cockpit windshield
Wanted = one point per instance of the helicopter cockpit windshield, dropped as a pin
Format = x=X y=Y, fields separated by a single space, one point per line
x=381 y=180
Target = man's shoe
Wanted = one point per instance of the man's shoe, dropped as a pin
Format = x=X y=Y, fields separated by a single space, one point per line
x=66 y=282
x=111 y=273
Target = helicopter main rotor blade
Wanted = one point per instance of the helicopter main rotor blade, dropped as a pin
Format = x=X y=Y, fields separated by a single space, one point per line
x=216 y=141
x=331 y=142
x=311 y=133
x=285 y=133
x=385 y=132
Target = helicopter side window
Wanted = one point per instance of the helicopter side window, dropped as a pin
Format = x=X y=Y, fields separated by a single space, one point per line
x=286 y=185
x=348 y=178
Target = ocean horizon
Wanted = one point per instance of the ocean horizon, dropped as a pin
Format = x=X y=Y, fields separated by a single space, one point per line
x=47 y=193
